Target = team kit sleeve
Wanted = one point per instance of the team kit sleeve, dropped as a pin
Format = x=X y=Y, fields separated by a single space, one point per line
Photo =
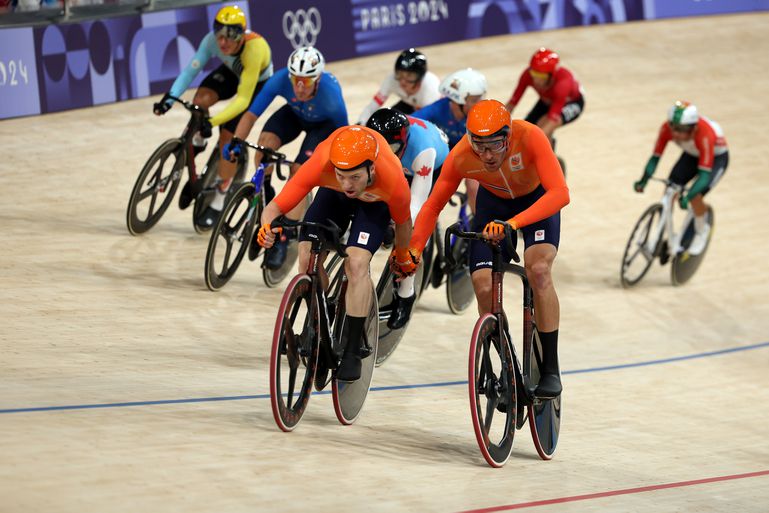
x=422 y=168
x=523 y=82
x=268 y=93
x=255 y=57
x=195 y=66
x=306 y=178
x=550 y=176
x=444 y=188
x=385 y=90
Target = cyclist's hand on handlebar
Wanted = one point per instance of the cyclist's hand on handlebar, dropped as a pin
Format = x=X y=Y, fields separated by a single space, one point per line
x=683 y=201
x=267 y=234
x=163 y=106
x=206 y=130
x=404 y=261
x=496 y=231
x=640 y=185
x=233 y=149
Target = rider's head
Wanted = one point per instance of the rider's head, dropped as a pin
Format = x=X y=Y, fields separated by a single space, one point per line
x=682 y=119
x=543 y=64
x=394 y=127
x=410 y=68
x=488 y=131
x=464 y=88
x=229 y=27
x=353 y=153
x=305 y=67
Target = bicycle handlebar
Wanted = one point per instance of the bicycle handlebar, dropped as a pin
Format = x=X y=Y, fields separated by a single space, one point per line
x=270 y=156
x=187 y=105
x=455 y=230
x=333 y=242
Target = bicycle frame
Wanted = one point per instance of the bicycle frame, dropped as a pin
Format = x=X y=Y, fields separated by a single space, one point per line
x=665 y=226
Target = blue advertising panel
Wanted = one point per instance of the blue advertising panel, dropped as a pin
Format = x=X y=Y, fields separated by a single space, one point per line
x=18 y=74
x=675 y=8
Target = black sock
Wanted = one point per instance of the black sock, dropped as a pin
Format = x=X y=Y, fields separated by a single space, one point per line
x=354 y=327
x=549 y=352
x=269 y=190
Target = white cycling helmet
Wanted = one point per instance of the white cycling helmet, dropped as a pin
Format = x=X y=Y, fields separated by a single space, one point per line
x=683 y=113
x=463 y=83
x=306 y=61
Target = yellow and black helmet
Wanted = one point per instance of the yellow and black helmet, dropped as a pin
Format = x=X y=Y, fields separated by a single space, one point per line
x=230 y=22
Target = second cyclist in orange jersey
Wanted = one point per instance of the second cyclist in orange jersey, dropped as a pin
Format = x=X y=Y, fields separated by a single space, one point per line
x=521 y=184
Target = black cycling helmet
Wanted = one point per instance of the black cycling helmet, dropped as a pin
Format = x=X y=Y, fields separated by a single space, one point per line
x=394 y=127
x=412 y=60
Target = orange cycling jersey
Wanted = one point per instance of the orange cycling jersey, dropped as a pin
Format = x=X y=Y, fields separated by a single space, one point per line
x=389 y=182
x=529 y=162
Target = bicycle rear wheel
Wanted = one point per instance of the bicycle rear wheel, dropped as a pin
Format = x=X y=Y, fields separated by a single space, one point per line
x=273 y=277
x=491 y=385
x=231 y=236
x=459 y=284
x=294 y=354
x=638 y=256
x=684 y=265
x=350 y=397
x=544 y=415
x=155 y=187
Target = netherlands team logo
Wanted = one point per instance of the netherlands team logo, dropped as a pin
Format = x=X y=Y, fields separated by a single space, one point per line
x=302 y=27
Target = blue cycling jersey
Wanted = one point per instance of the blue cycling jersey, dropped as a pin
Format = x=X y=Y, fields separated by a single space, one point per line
x=439 y=112
x=423 y=135
x=327 y=104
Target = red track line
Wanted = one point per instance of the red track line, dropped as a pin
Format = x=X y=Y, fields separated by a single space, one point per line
x=626 y=491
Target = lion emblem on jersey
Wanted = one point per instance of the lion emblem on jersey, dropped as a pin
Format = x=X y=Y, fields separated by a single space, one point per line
x=516 y=162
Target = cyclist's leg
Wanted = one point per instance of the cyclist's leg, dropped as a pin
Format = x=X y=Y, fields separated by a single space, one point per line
x=541 y=247
x=328 y=205
x=700 y=208
x=367 y=231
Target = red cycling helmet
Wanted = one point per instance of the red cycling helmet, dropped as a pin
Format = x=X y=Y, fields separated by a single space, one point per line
x=544 y=61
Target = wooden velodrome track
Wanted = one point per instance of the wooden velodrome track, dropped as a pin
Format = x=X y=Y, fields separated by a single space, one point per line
x=125 y=385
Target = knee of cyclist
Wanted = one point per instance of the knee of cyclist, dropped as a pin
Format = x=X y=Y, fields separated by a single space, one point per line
x=482 y=285
x=356 y=266
x=539 y=274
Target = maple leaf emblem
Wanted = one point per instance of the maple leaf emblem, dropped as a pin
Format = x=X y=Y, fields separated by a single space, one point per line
x=424 y=171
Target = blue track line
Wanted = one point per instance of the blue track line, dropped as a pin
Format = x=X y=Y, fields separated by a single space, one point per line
x=383 y=388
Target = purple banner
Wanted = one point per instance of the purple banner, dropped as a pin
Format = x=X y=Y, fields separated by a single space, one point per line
x=18 y=74
x=675 y=8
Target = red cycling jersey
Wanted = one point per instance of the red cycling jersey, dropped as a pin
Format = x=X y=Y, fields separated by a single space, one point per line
x=389 y=184
x=529 y=162
x=561 y=89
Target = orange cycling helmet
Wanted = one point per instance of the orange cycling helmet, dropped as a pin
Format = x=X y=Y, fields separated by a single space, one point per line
x=352 y=148
x=488 y=118
x=544 y=61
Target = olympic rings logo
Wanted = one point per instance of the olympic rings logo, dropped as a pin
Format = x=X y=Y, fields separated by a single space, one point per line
x=302 y=27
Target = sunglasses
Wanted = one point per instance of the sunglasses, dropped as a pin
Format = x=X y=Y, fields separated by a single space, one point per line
x=307 y=82
x=230 y=32
x=480 y=146
x=538 y=74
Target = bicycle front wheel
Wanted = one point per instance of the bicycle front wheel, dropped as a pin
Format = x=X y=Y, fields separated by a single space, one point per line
x=641 y=250
x=491 y=386
x=155 y=187
x=231 y=236
x=294 y=354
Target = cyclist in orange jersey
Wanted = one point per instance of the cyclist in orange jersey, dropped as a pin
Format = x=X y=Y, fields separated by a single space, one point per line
x=520 y=181
x=361 y=181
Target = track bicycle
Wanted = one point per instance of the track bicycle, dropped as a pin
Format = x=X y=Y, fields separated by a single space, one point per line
x=501 y=388
x=307 y=345
x=655 y=237
x=431 y=272
x=234 y=234
x=159 y=179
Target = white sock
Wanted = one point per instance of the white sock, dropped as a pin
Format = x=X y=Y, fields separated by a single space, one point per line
x=218 y=202
x=700 y=223
x=406 y=287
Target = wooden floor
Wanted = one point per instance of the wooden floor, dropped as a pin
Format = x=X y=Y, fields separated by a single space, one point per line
x=159 y=386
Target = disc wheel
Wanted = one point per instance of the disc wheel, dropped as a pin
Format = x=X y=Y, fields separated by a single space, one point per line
x=641 y=249
x=155 y=187
x=544 y=414
x=273 y=277
x=231 y=236
x=459 y=284
x=491 y=386
x=350 y=397
x=294 y=353
x=684 y=265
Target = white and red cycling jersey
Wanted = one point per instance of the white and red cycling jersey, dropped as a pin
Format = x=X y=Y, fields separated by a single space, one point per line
x=427 y=94
x=707 y=141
